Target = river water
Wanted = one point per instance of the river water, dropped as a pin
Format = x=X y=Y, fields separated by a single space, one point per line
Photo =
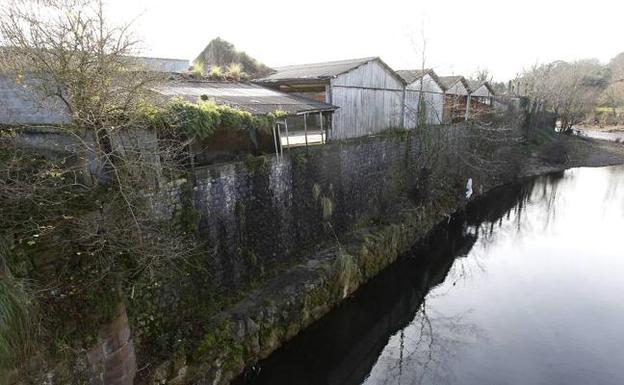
x=524 y=287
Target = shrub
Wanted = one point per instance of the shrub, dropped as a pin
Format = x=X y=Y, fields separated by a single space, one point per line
x=201 y=120
x=215 y=72
x=198 y=69
x=555 y=152
x=235 y=71
x=17 y=323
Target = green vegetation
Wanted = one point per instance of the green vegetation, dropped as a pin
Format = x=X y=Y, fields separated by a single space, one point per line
x=202 y=119
x=618 y=110
x=215 y=72
x=197 y=70
x=18 y=323
x=222 y=53
x=235 y=71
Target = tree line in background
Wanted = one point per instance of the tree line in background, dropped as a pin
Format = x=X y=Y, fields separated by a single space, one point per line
x=582 y=91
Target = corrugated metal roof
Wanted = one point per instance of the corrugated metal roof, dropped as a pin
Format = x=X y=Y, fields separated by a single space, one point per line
x=314 y=71
x=245 y=96
x=410 y=76
x=476 y=84
x=449 y=81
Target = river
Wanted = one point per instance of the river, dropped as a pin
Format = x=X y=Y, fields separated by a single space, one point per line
x=526 y=286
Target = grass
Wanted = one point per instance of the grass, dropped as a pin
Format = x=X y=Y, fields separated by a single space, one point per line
x=18 y=324
x=543 y=136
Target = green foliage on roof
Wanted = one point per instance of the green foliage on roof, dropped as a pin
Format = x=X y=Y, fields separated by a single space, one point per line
x=223 y=54
x=202 y=119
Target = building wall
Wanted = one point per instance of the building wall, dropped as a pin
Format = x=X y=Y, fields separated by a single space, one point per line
x=370 y=98
x=457 y=89
x=19 y=105
x=482 y=92
x=454 y=108
x=433 y=99
x=164 y=65
x=455 y=102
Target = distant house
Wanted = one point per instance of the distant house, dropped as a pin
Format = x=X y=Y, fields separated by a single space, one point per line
x=306 y=120
x=20 y=105
x=368 y=92
x=431 y=101
x=456 y=95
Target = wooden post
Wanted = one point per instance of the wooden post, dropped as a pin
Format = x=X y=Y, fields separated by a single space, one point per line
x=402 y=119
x=287 y=136
x=305 y=128
x=467 y=107
x=277 y=149
x=321 y=117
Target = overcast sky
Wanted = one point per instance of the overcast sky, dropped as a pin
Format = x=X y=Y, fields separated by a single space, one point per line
x=461 y=36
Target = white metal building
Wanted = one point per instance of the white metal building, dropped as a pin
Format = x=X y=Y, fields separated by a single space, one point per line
x=431 y=102
x=456 y=98
x=367 y=91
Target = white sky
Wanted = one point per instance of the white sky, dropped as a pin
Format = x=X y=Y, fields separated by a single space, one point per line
x=461 y=35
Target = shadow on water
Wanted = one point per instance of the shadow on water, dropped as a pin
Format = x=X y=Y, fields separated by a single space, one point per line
x=344 y=346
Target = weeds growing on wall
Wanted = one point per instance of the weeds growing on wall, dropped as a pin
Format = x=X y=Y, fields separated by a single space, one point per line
x=202 y=119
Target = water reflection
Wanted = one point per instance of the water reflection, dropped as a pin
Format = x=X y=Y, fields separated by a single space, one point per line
x=510 y=291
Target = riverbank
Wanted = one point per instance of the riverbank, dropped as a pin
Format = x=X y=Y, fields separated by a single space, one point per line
x=578 y=152
x=603 y=128
x=278 y=310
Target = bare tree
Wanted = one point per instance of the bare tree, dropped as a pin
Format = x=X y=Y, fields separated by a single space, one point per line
x=86 y=244
x=67 y=53
x=568 y=89
x=613 y=97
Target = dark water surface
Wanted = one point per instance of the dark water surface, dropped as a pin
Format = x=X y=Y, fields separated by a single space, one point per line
x=525 y=287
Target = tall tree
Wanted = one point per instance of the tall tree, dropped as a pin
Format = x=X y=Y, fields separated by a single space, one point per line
x=570 y=90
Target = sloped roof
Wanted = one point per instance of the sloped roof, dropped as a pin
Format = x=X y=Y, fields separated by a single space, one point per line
x=449 y=81
x=476 y=84
x=315 y=71
x=410 y=76
x=246 y=96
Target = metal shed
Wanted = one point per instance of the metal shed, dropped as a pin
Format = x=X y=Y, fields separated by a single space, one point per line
x=306 y=122
x=481 y=98
x=367 y=91
x=428 y=107
x=456 y=98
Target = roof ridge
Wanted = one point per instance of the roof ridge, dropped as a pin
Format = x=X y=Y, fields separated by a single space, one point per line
x=333 y=62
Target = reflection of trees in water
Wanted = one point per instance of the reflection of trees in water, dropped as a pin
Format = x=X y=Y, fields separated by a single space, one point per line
x=386 y=330
x=508 y=207
x=615 y=184
x=422 y=352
